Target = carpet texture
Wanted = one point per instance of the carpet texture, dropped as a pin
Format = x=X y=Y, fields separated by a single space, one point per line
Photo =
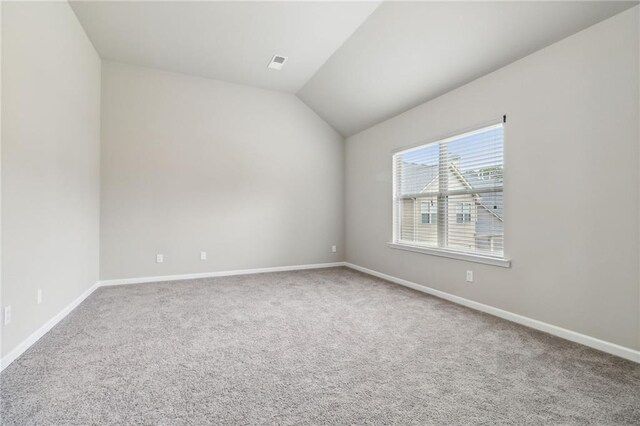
x=330 y=346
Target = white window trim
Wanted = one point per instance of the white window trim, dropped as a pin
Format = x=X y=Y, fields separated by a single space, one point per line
x=503 y=262
x=452 y=254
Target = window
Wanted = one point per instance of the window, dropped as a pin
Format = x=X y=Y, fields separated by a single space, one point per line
x=428 y=213
x=463 y=213
x=448 y=196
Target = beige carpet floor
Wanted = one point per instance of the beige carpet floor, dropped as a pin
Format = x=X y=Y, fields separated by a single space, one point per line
x=329 y=346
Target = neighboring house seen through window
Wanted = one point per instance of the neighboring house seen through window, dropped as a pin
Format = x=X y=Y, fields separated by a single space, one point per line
x=448 y=195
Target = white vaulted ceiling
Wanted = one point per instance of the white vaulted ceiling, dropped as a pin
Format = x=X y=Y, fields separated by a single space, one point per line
x=408 y=53
x=355 y=63
x=231 y=41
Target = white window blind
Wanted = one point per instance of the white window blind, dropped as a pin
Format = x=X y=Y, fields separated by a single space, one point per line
x=448 y=195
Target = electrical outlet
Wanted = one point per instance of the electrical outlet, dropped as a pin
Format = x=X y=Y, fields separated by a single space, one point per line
x=334 y=249
x=7 y=315
x=470 y=276
x=203 y=255
x=159 y=258
x=39 y=296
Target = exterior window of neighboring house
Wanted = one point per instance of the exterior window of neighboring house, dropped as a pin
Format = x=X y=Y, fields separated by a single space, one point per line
x=463 y=213
x=428 y=213
x=455 y=185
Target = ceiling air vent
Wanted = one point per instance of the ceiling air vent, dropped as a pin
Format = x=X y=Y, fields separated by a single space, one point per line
x=277 y=62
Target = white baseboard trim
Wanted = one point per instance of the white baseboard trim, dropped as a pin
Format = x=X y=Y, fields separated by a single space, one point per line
x=604 y=346
x=36 y=335
x=218 y=274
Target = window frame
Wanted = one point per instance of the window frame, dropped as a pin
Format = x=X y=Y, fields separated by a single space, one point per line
x=478 y=257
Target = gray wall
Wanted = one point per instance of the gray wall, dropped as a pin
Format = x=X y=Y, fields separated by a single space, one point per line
x=251 y=176
x=571 y=185
x=50 y=163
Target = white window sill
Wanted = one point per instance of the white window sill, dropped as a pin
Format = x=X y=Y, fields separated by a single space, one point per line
x=504 y=263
